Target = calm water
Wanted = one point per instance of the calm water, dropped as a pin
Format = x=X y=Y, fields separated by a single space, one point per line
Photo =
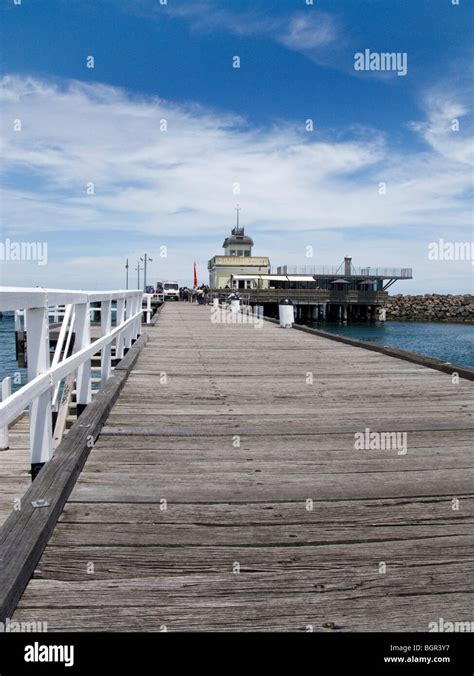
x=8 y=363
x=449 y=342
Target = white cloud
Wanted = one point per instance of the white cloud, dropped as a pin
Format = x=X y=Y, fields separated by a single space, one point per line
x=308 y=31
x=304 y=31
x=446 y=128
x=296 y=187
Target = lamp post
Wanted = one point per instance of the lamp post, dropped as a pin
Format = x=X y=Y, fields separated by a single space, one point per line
x=146 y=259
x=138 y=269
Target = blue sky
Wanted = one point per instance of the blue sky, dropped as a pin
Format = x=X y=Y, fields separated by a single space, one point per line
x=228 y=127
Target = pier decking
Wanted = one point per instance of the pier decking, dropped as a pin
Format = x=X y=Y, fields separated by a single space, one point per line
x=15 y=475
x=194 y=512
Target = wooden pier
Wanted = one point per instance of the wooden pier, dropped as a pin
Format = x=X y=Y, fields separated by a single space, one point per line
x=225 y=492
x=15 y=476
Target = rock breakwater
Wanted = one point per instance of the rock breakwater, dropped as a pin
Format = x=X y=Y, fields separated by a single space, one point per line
x=431 y=308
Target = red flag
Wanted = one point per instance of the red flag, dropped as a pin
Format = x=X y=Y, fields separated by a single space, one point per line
x=195 y=276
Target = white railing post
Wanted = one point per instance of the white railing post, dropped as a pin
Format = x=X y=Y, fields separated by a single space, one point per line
x=83 y=339
x=129 y=329
x=136 y=307
x=37 y=346
x=148 y=308
x=105 y=328
x=6 y=391
x=139 y=318
x=120 y=318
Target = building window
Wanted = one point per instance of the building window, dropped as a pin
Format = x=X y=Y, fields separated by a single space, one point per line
x=233 y=252
x=246 y=253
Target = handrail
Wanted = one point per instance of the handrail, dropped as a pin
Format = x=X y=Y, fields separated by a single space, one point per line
x=331 y=271
x=15 y=403
x=24 y=298
x=44 y=377
x=316 y=295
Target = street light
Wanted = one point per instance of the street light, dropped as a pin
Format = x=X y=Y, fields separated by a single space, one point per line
x=146 y=259
x=138 y=269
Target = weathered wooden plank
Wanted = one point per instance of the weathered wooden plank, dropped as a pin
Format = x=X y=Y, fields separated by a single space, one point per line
x=276 y=535
x=331 y=584
x=15 y=464
x=227 y=460
x=289 y=614
x=361 y=513
x=117 y=563
x=25 y=533
x=259 y=488
x=267 y=445
x=124 y=413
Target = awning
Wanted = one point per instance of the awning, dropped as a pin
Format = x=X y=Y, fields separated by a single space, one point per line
x=245 y=277
x=340 y=281
x=270 y=278
x=368 y=281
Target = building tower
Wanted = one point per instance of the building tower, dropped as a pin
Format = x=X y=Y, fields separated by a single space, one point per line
x=236 y=261
x=238 y=244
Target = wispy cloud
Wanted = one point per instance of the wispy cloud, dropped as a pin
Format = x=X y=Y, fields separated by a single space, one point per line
x=303 y=31
x=178 y=186
x=308 y=31
x=448 y=126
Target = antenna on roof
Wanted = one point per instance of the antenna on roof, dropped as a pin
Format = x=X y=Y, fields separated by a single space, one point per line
x=237 y=230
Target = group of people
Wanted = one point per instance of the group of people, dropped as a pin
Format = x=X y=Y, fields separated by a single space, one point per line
x=198 y=295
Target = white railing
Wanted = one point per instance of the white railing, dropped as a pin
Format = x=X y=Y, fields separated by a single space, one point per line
x=45 y=375
x=147 y=309
x=387 y=273
x=6 y=390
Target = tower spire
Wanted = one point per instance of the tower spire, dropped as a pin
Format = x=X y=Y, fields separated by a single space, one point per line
x=237 y=208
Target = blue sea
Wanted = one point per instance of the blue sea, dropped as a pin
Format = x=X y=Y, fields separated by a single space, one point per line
x=449 y=342
x=8 y=362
